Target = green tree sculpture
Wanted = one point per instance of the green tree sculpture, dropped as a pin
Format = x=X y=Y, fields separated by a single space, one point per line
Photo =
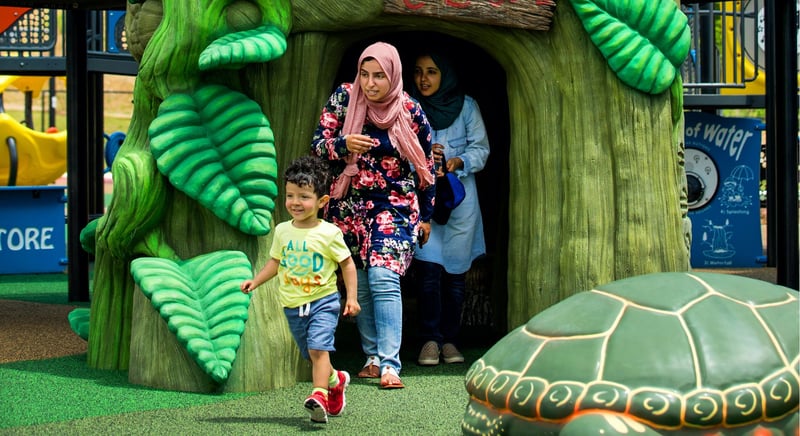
x=197 y=175
x=596 y=173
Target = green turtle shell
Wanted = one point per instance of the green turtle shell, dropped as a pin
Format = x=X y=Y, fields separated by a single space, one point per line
x=671 y=351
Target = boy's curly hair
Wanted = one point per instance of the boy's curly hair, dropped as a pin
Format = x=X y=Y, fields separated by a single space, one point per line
x=310 y=171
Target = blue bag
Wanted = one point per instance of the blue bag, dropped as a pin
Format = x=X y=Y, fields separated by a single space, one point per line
x=449 y=194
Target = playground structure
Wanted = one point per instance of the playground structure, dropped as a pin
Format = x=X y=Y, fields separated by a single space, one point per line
x=745 y=57
x=33 y=162
x=34 y=158
x=29 y=157
x=32 y=234
x=32 y=231
x=157 y=215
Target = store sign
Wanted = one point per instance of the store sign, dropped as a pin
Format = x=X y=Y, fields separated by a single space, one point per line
x=523 y=14
x=32 y=230
x=722 y=175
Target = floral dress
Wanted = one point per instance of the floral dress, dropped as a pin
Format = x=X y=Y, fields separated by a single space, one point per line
x=382 y=208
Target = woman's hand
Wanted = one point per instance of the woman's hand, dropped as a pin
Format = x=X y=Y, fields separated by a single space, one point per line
x=438 y=154
x=357 y=143
x=454 y=163
x=424 y=233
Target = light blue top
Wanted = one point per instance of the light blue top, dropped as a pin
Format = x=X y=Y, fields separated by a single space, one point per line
x=456 y=244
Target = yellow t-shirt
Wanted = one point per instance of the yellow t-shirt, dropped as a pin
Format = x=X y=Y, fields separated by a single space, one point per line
x=308 y=259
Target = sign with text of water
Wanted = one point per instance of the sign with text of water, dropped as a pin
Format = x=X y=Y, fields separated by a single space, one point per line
x=723 y=175
x=32 y=229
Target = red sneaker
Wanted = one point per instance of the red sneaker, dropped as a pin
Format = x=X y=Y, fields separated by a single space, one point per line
x=316 y=405
x=336 y=400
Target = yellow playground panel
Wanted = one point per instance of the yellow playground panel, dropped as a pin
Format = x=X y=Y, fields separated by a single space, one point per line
x=34 y=84
x=740 y=44
x=41 y=157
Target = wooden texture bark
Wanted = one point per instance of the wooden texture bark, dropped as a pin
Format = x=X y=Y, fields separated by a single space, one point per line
x=523 y=14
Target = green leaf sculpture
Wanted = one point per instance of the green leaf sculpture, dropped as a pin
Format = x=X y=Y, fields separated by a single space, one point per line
x=217 y=146
x=201 y=302
x=79 y=322
x=235 y=50
x=644 y=41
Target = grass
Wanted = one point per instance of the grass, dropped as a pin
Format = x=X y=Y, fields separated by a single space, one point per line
x=65 y=396
x=35 y=288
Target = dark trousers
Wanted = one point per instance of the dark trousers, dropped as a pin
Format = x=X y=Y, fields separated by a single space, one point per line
x=440 y=302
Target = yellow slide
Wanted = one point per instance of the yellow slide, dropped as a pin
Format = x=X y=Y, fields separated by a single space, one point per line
x=41 y=157
x=741 y=43
x=34 y=84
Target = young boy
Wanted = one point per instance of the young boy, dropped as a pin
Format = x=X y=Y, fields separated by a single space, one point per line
x=305 y=254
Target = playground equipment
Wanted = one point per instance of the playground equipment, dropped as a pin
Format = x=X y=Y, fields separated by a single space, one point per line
x=738 y=45
x=32 y=224
x=34 y=158
x=33 y=84
x=32 y=231
x=113 y=143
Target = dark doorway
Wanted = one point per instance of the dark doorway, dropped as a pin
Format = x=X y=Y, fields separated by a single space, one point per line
x=485 y=80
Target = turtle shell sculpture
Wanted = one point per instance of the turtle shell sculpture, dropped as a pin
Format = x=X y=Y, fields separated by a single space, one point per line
x=657 y=354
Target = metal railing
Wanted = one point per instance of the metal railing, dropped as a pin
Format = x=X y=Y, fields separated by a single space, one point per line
x=726 y=62
x=727 y=44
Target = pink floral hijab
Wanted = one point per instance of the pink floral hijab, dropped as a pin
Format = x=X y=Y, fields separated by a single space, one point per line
x=390 y=113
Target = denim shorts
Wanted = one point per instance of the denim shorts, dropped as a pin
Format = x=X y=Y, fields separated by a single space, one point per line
x=313 y=325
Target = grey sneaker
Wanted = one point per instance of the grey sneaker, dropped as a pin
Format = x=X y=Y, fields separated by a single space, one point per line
x=451 y=354
x=429 y=354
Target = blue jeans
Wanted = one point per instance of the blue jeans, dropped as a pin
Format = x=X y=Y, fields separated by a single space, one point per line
x=441 y=300
x=380 y=322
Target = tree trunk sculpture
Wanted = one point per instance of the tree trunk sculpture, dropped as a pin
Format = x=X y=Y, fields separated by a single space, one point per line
x=148 y=216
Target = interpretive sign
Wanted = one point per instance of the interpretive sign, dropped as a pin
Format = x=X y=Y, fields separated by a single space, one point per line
x=523 y=14
x=722 y=176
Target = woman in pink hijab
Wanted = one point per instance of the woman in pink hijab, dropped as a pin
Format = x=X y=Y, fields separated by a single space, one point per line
x=378 y=143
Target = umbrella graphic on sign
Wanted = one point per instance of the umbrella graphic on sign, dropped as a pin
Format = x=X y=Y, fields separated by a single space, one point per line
x=742 y=173
x=734 y=195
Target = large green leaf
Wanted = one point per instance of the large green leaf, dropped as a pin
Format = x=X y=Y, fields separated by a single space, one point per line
x=79 y=322
x=217 y=146
x=201 y=302
x=235 y=50
x=644 y=41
